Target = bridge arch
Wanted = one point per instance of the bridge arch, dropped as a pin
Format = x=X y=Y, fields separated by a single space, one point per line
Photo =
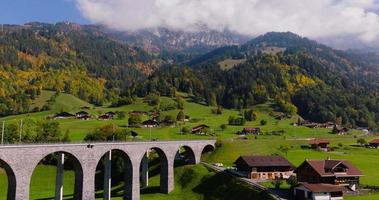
x=206 y=151
x=156 y=162
x=114 y=167
x=63 y=160
x=185 y=155
x=11 y=178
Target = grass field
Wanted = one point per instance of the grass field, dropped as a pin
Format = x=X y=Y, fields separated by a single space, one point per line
x=294 y=137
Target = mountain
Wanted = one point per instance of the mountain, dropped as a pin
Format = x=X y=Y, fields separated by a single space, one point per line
x=66 y=58
x=176 y=45
x=300 y=75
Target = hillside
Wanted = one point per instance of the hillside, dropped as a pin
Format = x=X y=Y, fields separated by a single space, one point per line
x=324 y=84
x=65 y=58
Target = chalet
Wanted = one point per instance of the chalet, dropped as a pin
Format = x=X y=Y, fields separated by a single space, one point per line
x=374 y=143
x=318 y=191
x=107 y=116
x=82 y=115
x=335 y=172
x=329 y=125
x=254 y=131
x=320 y=144
x=199 y=130
x=338 y=130
x=264 y=167
x=150 y=123
x=63 y=115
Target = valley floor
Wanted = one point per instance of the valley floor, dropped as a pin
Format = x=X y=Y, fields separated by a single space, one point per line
x=345 y=147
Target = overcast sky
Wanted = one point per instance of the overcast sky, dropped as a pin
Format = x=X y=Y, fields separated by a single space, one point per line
x=357 y=20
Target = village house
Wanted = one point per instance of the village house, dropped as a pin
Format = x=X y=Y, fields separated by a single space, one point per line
x=329 y=125
x=150 y=123
x=335 y=172
x=254 y=131
x=374 y=143
x=264 y=167
x=338 y=130
x=107 y=116
x=320 y=144
x=318 y=191
x=200 y=130
x=82 y=115
x=63 y=115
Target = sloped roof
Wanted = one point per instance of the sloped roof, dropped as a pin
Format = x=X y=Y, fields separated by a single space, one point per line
x=318 y=141
x=324 y=167
x=320 y=187
x=266 y=161
x=376 y=141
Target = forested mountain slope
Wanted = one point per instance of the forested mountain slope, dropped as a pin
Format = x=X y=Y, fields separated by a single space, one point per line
x=65 y=58
x=301 y=75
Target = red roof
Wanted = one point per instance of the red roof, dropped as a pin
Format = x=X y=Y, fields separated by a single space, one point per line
x=320 y=187
x=325 y=167
x=318 y=141
x=266 y=161
x=376 y=141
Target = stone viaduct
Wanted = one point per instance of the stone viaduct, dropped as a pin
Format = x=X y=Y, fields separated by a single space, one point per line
x=19 y=162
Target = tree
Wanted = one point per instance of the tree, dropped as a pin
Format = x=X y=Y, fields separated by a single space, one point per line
x=223 y=126
x=134 y=120
x=181 y=116
x=48 y=131
x=250 y=115
x=361 y=141
x=66 y=137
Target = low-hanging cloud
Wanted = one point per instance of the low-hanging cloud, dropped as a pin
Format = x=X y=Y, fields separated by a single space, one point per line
x=311 y=18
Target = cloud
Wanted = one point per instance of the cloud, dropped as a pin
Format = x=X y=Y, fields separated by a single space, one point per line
x=311 y=18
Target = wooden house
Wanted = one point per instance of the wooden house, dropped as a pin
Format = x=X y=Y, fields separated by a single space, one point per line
x=264 y=167
x=374 y=143
x=63 y=115
x=199 y=130
x=321 y=144
x=150 y=123
x=82 y=115
x=107 y=116
x=335 y=172
x=254 y=131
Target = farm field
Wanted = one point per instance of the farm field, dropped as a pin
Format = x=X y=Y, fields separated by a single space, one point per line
x=42 y=185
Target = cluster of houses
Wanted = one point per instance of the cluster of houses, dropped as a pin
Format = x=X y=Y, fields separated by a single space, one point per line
x=317 y=179
x=82 y=115
x=323 y=144
x=339 y=130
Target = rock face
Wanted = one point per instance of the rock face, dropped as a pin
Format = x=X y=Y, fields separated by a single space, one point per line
x=157 y=40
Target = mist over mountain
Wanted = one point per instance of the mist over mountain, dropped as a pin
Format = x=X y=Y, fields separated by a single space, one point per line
x=319 y=20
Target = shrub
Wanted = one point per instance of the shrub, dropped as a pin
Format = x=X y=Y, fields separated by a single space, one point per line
x=223 y=126
x=219 y=143
x=263 y=122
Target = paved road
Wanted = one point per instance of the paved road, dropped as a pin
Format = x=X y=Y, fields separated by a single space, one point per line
x=248 y=181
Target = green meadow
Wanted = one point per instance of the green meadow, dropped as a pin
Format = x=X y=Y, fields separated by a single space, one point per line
x=293 y=138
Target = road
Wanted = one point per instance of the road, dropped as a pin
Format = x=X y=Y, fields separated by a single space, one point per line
x=275 y=194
